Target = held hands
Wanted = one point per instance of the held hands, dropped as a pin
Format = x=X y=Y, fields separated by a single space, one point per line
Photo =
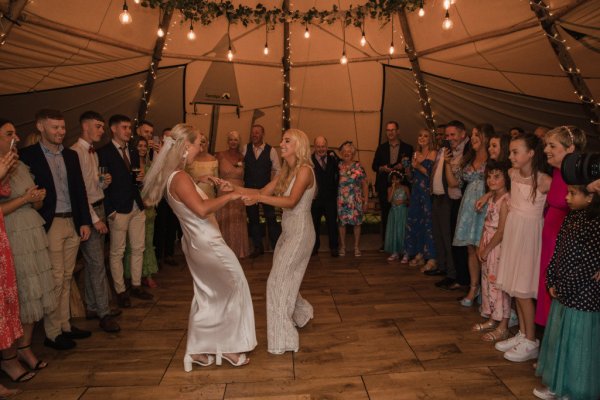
x=225 y=186
x=250 y=199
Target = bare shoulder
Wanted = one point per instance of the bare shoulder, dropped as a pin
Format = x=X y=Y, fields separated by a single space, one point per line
x=432 y=154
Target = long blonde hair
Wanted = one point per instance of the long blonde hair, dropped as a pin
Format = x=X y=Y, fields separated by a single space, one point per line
x=288 y=172
x=170 y=158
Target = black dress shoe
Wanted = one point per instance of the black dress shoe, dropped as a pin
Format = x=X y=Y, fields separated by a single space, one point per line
x=335 y=253
x=114 y=312
x=76 y=333
x=444 y=282
x=61 y=342
x=256 y=252
x=435 y=272
x=123 y=300
x=138 y=292
x=108 y=324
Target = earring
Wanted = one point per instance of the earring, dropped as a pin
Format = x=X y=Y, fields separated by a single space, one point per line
x=185 y=153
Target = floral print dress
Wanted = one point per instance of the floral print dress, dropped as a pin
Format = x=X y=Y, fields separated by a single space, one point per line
x=350 y=195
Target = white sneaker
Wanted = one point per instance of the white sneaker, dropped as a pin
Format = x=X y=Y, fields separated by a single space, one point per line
x=525 y=350
x=506 y=345
x=544 y=393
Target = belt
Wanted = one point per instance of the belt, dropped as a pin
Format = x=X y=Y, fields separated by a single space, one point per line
x=63 y=215
x=98 y=203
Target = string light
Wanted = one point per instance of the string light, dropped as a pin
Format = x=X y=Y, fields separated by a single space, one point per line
x=137 y=1
x=306 y=32
x=391 y=50
x=421 y=12
x=266 y=49
x=447 y=24
x=344 y=59
x=125 y=17
x=230 y=54
x=363 y=40
x=160 y=32
x=447 y=4
x=191 y=35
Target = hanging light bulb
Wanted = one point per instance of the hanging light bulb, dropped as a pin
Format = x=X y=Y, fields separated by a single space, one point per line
x=363 y=40
x=344 y=59
x=230 y=54
x=137 y=1
x=306 y=32
x=160 y=32
x=191 y=35
x=392 y=48
x=452 y=1
x=447 y=24
x=421 y=12
x=125 y=17
x=266 y=49
x=447 y=4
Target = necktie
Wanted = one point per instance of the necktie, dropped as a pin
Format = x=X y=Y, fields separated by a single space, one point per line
x=323 y=162
x=91 y=150
x=256 y=152
x=126 y=158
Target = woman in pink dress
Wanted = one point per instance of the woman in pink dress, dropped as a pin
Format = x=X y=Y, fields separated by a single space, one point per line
x=559 y=142
x=232 y=217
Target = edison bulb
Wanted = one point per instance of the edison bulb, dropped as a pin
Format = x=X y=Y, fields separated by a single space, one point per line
x=306 y=33
x=137 y=1
x=125 y=17
x=344 y=59
x=447 y=4
x=160 y=32
x=363 y=41
x=447 y=24
x=266 y=50
x=421 y=12
x=392 y=49
x=230 y=55
x=191 y=35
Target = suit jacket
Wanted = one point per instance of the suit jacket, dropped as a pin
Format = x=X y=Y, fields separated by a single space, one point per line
x=327 y=179
x=122 y=191
x=34 y=157
x=382 y=157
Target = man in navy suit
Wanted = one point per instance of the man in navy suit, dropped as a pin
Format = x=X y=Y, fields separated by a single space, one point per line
x=325 y=203
x=65 y=210
x=124 y=208
x=390 y=156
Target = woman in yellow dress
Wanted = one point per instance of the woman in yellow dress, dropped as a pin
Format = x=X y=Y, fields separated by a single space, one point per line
x=204 y=164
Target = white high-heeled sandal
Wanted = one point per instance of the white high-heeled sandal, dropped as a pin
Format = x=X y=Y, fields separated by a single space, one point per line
x=188 y=361
x=242 y=360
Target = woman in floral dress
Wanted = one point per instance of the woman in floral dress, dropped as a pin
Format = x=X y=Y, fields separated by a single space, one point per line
x=352 y=196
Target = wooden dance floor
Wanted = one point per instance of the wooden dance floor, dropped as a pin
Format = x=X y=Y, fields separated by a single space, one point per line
x=381 y=331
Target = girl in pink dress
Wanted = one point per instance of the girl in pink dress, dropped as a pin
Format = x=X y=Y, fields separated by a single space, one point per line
x=559 y=142
x=518 y=271
x=495 y=303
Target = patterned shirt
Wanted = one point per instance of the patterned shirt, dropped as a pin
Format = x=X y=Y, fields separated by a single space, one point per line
x=575 y=260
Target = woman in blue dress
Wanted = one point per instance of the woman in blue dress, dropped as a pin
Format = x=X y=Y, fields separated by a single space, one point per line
x=419 y=231
x=469 y=225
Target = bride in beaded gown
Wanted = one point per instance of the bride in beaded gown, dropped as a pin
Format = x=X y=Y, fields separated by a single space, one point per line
x=293 y=190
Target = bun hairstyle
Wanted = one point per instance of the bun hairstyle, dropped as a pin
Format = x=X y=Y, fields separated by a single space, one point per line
x=569 y=135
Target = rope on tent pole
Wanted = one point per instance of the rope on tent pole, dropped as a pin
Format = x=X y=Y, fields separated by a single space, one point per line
x=566 y=62
x=153 y=68
x=416 y=68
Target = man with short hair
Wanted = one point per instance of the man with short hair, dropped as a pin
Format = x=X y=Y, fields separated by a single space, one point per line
x=541 y=131
x=446 y=196
x=261 y=164
x=393 y=155
x=325 y=203
x=97 y=290
x=145 y=129
x=65 y=210
x=124 y=207
x=440 y=135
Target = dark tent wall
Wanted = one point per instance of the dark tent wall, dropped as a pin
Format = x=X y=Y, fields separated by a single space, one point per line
x=470 y=104
x=115 y=96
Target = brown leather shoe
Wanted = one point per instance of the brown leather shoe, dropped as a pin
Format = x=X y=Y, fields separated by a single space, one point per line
x=108 y=324
x=123 y=300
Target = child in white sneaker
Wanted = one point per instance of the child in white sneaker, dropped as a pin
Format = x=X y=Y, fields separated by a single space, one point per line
x=569 y=363
x=519 y=267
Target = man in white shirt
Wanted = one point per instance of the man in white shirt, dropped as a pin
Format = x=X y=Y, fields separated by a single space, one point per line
x=261 y=164
x=97 y=291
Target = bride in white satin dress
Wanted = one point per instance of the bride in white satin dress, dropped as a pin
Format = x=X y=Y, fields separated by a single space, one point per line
x=221 y=322
x=293 y=190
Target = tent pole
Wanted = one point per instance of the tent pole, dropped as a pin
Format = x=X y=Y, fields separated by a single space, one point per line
x=15 y=8
x=285 y=123
x=567 y=64
x=416 y=68
x=153 y=68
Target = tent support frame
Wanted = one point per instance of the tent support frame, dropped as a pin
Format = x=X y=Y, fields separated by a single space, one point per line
x=567 y=64
x=416 y=68
x=153 y=68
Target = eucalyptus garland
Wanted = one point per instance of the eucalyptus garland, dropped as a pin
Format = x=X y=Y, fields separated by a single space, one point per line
x=205 y=12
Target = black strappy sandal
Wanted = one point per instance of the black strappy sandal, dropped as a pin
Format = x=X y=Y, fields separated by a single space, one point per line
x=24 y=377
x=41 y=364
